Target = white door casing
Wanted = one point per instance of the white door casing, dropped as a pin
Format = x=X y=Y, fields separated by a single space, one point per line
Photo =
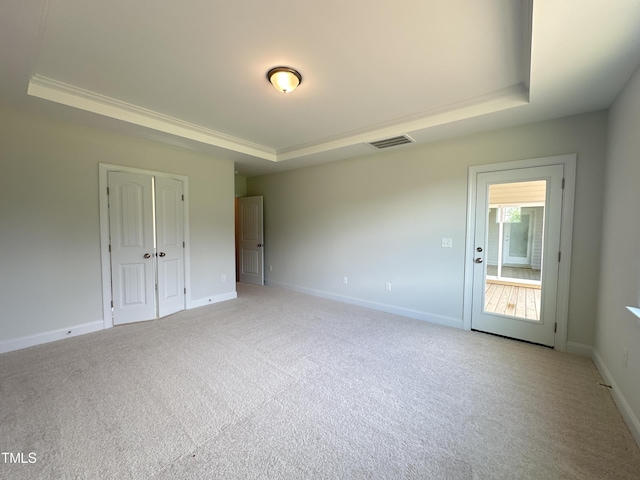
x=568 y=162
x=169 y=230
x=251 y=241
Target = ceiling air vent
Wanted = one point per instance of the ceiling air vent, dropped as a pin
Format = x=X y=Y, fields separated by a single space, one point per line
x=391 y=142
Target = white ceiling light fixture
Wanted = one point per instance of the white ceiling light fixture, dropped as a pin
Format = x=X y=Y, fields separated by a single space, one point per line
x=284 y=79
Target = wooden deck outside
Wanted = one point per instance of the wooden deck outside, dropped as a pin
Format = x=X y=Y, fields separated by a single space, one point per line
x=512 y=300
x=515 y=272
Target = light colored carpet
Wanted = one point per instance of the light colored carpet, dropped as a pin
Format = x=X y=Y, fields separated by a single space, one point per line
x=280 y=385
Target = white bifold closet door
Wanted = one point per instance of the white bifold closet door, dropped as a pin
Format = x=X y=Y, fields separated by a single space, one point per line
x=146 y=226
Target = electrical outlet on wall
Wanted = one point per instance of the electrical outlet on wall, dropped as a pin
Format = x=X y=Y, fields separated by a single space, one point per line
x=344 y=280
x=387 y=286
x=447 y=243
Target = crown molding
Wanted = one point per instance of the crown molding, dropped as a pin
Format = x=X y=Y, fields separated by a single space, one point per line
x=60 y=92
x=510 y=97
x=63 y=93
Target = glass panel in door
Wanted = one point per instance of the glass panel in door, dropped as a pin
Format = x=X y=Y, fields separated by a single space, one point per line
x=515 y=234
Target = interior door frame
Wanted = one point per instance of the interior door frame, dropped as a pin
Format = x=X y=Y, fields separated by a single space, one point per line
x=105 y=256
x=568 y=161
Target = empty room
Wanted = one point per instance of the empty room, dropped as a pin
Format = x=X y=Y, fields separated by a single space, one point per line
x=323 y=240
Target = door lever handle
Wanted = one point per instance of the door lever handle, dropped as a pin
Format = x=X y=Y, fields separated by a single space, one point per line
x=478 y=260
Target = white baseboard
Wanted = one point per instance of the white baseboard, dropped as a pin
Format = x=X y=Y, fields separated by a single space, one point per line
x=67 y=332
x=383 y=307
x=201 y=302
x=623 y=406
x=52 y=336
x=627 y=413
x=579 y=349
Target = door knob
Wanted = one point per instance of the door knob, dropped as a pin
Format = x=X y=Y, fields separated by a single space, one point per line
x=478 y=260
x=478 y=249
x=147 y=255
x=260 y=245
x=162 y=254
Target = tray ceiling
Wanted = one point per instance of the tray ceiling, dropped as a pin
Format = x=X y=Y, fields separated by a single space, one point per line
x=192 y=73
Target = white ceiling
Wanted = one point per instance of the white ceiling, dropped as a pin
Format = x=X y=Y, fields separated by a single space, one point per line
x=192 y=73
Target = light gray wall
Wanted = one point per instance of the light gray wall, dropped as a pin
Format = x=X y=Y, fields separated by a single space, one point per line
x=50 y=272
x=617 y=329
x=381 y=218
x=240 y=186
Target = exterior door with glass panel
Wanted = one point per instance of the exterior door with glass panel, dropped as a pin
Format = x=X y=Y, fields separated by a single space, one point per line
x=516 y=245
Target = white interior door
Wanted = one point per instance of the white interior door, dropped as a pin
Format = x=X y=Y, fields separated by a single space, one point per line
x=506 y=306
x=251 y=240
x=517 y=241
x=146 y=225
x=170 y=245
x=132 y=247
